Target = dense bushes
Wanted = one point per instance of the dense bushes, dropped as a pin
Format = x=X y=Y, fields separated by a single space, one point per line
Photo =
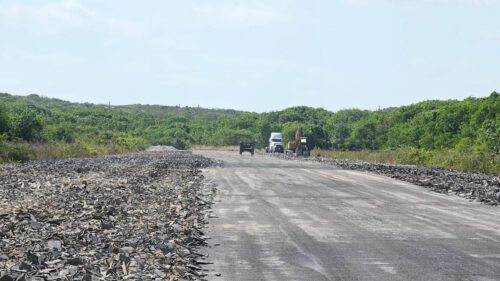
x=468 y=127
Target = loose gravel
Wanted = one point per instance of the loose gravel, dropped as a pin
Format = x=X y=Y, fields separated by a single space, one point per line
x=479 y=187
x=133 y=217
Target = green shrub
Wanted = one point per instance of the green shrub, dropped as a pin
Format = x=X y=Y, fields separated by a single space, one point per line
x=26 y=125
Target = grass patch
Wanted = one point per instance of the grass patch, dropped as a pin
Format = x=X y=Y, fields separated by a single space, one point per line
x=451 y=159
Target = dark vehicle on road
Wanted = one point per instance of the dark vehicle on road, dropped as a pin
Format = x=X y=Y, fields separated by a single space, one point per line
x=247 y=146
x=279 y=148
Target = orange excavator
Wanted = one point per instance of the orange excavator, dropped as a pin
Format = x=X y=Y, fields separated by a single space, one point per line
x=298 y=147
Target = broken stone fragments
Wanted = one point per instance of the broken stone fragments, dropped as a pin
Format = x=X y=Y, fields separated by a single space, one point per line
x=133 y=217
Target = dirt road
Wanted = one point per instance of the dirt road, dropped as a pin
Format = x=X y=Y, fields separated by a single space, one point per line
x=286 y=220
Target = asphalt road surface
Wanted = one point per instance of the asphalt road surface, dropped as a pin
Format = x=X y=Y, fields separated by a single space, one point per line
x=286 y=220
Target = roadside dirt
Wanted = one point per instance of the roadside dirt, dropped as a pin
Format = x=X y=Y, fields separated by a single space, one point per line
x=134 y=217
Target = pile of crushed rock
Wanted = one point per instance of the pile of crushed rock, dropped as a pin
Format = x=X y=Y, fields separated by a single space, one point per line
x=133 y=217
x=160 y=148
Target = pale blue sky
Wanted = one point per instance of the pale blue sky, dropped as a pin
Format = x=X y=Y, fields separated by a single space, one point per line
x=251 y=55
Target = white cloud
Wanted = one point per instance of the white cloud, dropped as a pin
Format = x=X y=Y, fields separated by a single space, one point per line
x=67 y=11
x=243 y=14
x=62 y=15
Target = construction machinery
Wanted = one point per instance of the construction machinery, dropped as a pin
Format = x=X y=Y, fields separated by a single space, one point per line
x=298 y=147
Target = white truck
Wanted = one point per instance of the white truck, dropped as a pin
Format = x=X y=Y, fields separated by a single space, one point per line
x=275 y=143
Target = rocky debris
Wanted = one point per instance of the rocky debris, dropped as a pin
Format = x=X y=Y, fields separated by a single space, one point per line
x=133 y=217
x=160 y=148
x=474 y=186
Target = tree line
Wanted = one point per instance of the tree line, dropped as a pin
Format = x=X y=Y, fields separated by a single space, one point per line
x=469 y=125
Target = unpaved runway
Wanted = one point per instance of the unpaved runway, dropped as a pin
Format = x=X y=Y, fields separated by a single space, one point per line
x=285 y=220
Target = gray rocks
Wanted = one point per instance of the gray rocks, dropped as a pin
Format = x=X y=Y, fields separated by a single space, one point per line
x=133 y=217
x=160 y=148
x=54 y=245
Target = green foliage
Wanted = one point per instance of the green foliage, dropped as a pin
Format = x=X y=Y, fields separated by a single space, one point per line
x=341 y=124
x=174 y=136
x=467 y=127
x=232 y=137
x=288 y=130
x=4 y=126
x=60 y=133
x=369 y=133
x=26 y=125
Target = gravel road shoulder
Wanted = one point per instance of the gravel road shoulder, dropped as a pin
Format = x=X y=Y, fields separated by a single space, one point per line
x=136 y=217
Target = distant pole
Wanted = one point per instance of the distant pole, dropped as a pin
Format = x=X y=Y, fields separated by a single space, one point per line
x=109 y=105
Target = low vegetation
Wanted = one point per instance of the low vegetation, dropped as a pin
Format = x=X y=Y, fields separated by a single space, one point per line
x=450 y=159
x=456 y=134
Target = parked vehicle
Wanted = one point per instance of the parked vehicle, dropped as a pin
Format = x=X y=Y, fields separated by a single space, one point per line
x=275 y=143
x=247 y=146
x=298 y=147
